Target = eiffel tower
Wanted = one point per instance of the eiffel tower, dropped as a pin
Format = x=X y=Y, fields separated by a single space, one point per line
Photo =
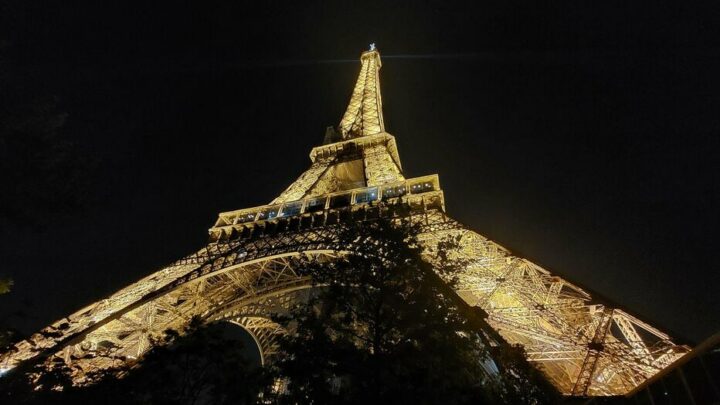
x=245 y=273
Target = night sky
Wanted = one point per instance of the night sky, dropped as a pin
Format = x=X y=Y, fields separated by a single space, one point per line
x=583 y=136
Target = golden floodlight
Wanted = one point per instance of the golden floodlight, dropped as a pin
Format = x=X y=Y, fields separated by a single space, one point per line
x=246 y=272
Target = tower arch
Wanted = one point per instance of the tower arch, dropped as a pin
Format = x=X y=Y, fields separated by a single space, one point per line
x=247 y=271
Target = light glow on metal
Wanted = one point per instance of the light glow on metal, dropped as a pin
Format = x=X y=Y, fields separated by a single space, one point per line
x=247 y=272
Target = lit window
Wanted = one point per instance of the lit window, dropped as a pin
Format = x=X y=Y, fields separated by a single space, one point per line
x=291 y=209
x=315 y=204
x=366 y=196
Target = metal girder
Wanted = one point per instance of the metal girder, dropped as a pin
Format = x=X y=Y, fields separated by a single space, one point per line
x=582 y=385
x=247 y=273
x=556 y=321
x=300 y=187
x=364 y=112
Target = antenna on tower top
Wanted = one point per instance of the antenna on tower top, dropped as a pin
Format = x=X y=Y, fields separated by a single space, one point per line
x=364 y=112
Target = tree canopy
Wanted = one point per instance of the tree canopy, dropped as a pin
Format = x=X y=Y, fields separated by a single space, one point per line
x=384 y=326
x=6 y=334
x=198 y=365
x=381 y=325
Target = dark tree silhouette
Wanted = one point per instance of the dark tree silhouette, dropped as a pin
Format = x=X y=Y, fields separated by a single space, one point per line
x=6 y=335
x=382 y=326
x=385 y=328
x=201 y=365
x=5 y=284
x=42 y=172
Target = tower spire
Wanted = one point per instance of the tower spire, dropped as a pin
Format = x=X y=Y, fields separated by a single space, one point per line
x=251 y=271
x=364 y=112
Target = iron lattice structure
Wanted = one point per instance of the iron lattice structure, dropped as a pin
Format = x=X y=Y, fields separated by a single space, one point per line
x=246 y=273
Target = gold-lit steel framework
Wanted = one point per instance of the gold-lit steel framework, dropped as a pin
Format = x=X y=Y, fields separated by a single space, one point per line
x=246 y=273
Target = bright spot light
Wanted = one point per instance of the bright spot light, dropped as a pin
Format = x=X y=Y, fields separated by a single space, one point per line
x=3 y=371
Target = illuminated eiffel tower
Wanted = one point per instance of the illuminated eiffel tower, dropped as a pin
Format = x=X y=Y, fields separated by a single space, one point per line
x=245 y=272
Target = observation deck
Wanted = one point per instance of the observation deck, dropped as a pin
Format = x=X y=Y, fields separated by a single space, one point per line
x=419 y=193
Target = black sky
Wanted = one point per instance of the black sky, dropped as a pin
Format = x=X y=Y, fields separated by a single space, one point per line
x=581 y=135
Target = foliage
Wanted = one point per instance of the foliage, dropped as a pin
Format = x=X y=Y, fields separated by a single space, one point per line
x=381 y=327
x=42 y=172
x=6 y=334
x=518 y=382
x=202 y=367
x=5 y=285
x=199 y=366
x=384 y=327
